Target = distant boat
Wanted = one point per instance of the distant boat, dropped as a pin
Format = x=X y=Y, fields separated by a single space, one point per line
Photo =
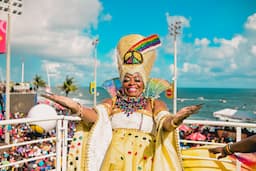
x=200 y=98
x=223 y=101
x=235 y=115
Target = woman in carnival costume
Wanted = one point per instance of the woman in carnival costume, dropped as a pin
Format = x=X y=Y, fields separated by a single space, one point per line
x=132 y=130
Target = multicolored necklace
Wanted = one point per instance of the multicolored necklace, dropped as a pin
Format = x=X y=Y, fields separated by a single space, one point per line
x=128 y=105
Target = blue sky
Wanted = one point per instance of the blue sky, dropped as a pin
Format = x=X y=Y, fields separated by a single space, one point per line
x=216 y=48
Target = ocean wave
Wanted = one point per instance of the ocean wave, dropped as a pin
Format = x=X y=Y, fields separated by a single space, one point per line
x=200 y=98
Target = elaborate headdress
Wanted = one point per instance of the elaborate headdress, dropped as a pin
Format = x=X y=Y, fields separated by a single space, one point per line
x=137 y=54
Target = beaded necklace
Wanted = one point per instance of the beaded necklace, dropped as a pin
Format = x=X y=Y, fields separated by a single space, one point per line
x=128 y=105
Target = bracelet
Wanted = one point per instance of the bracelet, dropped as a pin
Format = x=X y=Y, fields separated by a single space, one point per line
x=173 y=124
x=227 y=149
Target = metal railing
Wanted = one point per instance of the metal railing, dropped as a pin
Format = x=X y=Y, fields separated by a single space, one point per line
x=62 y=139
x=237 y=125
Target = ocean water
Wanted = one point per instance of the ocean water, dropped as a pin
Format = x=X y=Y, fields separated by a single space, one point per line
x=213 y=99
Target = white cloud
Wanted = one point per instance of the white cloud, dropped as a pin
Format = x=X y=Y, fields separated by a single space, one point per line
x=107 y=17
x=251 y=22
x=234 y=42
x=194 y=68
x=53 y=32
x=219 y=60
x=202 y=42
x=171 y=19
x=62 y=37
x=253 y=50
x=58 y=70
x=110 y=65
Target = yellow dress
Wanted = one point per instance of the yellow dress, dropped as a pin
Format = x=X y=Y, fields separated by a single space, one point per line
x=132 y=146
x=196 y=164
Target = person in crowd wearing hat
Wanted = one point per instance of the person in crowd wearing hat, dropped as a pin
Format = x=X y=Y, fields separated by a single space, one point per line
x=129 y=131
x=247 y=145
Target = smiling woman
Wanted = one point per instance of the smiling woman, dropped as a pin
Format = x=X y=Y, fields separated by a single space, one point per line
x=130 y=131
x=133 y=85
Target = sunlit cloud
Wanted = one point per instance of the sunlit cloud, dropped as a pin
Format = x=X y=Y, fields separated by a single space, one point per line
x=251 y=22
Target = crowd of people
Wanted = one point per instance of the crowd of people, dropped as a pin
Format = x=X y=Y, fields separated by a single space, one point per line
x=28 y=151
x=214 y=134
x=20 y=133
x=23 y=133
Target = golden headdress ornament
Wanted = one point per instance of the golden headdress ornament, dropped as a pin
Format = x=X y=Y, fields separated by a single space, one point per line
x=137 y=54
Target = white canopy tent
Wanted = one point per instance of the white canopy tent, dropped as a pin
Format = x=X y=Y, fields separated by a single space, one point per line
x=235 y=115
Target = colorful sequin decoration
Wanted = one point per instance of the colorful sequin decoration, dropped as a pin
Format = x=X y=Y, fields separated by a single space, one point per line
x=128 y=105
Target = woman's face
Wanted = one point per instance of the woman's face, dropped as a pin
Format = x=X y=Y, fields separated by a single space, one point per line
x=133 y=85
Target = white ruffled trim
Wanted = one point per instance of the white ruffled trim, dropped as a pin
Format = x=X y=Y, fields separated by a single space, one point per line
x=160 y=115
x=99 y=140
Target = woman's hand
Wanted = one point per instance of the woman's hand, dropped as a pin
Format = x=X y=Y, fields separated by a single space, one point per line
x=87 y=114
x=184 y=113
x=175 y=120
x=63 y=101
x=217 y=150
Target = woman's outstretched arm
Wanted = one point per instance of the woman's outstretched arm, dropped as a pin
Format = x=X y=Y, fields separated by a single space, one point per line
x=87 y=114
x=174 y=121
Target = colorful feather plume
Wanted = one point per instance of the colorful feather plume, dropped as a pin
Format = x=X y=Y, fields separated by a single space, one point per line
x=156 y=86
x=112 y=86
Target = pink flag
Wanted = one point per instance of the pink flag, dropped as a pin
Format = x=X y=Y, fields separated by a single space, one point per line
x=2 y=36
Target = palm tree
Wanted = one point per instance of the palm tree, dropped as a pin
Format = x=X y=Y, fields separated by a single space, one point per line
x=38 y=82
x=68 y=85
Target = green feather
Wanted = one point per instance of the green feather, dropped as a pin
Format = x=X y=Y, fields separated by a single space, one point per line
x=156 y=86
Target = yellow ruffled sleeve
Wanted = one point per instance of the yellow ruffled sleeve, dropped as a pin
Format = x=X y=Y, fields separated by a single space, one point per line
x=167 y=155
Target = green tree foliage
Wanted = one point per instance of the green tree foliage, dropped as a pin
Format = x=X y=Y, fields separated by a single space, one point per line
x=68 y=85
x=38 y=82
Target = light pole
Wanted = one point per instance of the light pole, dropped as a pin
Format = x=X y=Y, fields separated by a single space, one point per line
x=11 y=7
x=95 y=43
x=49 y=88
x=48 y=80
x=174 y=31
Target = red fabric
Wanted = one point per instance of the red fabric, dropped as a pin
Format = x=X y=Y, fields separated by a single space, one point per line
x=184 y=128
x=248 y=160
x=197 y=136
x=2 y=36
